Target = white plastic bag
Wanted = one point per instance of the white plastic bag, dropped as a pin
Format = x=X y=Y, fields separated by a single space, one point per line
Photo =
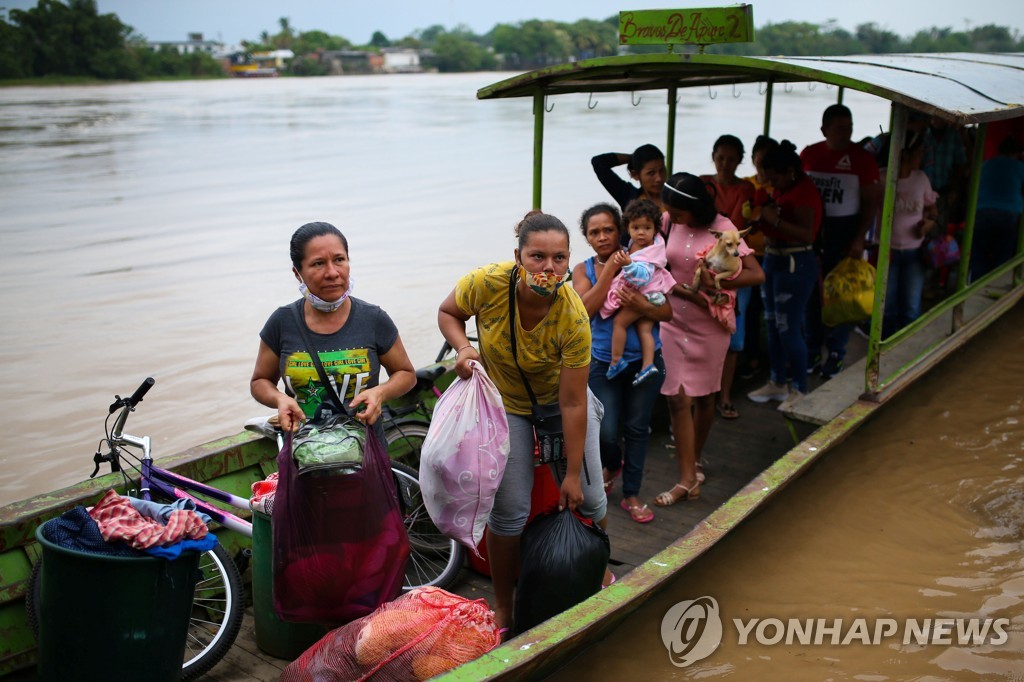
x=463 y=457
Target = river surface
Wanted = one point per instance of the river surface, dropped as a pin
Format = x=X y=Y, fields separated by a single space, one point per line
x=144 y=227
x=918 y=515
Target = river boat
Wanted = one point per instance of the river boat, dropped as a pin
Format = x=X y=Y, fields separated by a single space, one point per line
x=964 y=89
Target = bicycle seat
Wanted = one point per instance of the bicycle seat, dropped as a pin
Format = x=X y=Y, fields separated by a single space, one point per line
x=267 y=427
x=426 y=376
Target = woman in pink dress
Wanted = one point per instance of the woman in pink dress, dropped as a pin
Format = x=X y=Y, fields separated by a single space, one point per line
x=694 y=343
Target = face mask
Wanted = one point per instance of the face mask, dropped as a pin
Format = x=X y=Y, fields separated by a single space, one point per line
x=319 y=303
x=542 y=283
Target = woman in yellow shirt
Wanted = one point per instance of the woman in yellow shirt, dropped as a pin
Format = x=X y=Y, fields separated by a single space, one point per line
x=552 y=332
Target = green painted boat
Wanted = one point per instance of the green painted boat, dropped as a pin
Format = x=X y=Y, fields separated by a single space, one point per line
x=967 y=89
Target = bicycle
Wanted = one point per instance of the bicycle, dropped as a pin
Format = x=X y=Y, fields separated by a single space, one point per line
x=218 y=604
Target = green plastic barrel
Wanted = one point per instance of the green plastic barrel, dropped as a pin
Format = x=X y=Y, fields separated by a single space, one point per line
x=104 y=617
x=273 y=635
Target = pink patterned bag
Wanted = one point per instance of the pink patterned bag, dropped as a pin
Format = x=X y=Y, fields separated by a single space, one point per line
x=464 y=456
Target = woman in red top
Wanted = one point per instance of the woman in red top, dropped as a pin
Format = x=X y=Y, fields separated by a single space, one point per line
x=731 y=193
x=790 y=225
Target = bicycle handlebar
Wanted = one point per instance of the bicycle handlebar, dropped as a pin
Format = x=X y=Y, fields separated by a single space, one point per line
x=135 y=398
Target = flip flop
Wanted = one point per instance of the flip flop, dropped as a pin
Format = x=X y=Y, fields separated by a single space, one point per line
x=610 y=582
x=638 y=512
x=610 y=483
x=727 y=410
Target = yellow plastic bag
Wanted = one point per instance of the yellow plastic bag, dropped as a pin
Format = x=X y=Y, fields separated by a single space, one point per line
x=849 y=292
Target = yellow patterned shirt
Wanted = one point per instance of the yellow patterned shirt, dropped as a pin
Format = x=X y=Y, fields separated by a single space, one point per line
x=562 y=339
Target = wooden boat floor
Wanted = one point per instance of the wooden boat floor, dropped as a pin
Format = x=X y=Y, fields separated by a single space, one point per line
x=737 y=450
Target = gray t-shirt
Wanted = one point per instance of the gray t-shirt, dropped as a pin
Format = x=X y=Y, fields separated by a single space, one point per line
x=350 y=356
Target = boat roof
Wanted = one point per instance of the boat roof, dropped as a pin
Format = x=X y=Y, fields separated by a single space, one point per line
x=964 y=87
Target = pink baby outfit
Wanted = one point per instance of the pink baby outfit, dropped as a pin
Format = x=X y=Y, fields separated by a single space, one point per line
x=650 y=277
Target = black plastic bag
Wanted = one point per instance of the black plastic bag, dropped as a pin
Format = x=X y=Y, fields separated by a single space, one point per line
x=563 y=560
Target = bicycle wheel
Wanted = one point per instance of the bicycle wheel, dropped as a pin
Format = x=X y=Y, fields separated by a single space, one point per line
x=217 y=610
x=434 y=559
x=405 y=442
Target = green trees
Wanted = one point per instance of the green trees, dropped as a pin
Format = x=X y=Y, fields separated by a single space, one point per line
x=71 y=38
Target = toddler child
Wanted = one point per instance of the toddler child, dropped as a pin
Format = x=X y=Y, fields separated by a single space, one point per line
x=645 y=273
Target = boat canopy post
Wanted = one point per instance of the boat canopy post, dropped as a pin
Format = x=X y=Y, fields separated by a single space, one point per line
x=768 y=107
x=538 y=146
x=670 y=143
x=972 y=205
x=898 y=129
x=839 y=99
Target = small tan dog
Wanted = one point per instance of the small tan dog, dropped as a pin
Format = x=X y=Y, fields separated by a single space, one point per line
x=723 y=260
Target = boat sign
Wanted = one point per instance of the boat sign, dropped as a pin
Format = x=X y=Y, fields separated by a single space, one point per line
x=692 y=26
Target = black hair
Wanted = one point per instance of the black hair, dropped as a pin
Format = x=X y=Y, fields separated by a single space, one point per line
x=1009 y=146
x=783 y=157
x=642 y=208
x=537 y=221
x=835 y=111
x=762 y=142
x=598 y=209
x=306 y=234
x=729 y=141
x=687 y=192
x=642 y=156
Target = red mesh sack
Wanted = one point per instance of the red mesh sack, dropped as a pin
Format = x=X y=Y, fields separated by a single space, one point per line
x=423 y=633
x=340 y=544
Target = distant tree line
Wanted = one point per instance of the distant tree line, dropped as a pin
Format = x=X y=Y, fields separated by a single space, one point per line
x=71 y=39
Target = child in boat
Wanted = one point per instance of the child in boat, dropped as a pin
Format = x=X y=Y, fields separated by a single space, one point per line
x=646 y=273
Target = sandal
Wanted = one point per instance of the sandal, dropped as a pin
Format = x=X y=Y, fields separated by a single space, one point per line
x=638 y=512
x=616 y=368
x=609 y=481
x=668 y=498
x=610 y=582
x=727 y=410
x=644 y=374
x=700 y=474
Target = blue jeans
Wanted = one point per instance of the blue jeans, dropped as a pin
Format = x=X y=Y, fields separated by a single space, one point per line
x=629 y=407
x=736 y=341
x=788 y=283
x=995 y=240
x=903 y=292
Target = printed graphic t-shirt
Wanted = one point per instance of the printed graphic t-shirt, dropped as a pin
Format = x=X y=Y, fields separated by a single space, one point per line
x=840 y=175
x=350 y=356
x=562 y=339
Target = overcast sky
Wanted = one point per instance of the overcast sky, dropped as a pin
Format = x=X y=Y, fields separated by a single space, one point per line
x=356 y=20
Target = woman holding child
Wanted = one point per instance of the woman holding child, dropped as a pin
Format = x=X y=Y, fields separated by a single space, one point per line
x=695 y=341
x=552 y=350
x=626 y=402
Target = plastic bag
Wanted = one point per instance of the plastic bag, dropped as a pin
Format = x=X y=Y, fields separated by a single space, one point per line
x=325 y=445
x=340 y=544
x=563 y=560
x=419 y=635
x=849 y=292
x=464 y=456
x=938 y=252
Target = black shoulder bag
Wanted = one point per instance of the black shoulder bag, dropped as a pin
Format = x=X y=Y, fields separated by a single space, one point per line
x=547 y=419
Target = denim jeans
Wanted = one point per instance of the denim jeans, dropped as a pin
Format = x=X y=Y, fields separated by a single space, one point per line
x=788 y=283
x=627 y=407
x=903 y=291
x=995 y=240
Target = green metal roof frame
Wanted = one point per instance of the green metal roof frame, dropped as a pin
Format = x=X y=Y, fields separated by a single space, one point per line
x=963 y=87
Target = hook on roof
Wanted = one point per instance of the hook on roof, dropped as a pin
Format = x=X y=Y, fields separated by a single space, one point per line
x=736 y=93
x=760 y=91
x=788 y=87
x=634 y=100
x=546 y=107
x=711 y=94
x=591 y=104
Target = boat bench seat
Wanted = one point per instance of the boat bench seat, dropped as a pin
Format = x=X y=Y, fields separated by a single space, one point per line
x=828 y=401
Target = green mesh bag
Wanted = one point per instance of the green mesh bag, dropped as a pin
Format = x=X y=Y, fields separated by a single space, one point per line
x=336 y=443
